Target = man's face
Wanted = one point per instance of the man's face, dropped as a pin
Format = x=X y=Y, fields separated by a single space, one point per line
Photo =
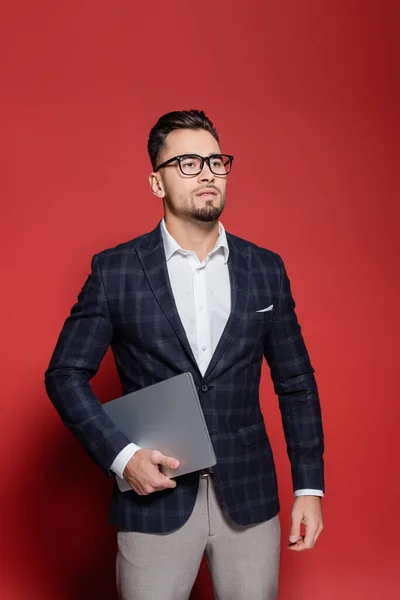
x=199 y=197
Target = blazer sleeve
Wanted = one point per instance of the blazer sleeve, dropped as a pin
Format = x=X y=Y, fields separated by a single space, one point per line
x=81 y=346
x=294 y=383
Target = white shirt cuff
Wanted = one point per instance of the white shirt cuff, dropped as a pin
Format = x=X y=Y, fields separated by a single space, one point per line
x=122 y=459
x=307 y=492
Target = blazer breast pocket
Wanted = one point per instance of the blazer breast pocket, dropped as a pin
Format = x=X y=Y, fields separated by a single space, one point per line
x=255 y=325
x=260 y=315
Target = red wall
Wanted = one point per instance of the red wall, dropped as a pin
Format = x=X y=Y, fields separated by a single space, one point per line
x=304 y=96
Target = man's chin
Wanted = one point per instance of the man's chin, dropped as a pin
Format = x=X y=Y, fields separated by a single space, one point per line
x=206 y=215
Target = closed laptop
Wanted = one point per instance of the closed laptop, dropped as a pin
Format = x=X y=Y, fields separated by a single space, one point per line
x=168 y=417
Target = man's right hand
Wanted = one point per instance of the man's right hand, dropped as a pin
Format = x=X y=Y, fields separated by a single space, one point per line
x=143 y=475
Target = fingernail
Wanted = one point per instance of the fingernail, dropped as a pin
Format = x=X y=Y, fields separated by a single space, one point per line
x=293 y=538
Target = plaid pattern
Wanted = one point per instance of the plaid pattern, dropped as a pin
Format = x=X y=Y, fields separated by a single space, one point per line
x=127 y=302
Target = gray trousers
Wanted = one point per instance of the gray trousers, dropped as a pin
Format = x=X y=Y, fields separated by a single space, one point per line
x=243 y=561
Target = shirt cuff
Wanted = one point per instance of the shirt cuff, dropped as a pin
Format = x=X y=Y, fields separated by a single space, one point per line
x=307 y=492
x=122 y=459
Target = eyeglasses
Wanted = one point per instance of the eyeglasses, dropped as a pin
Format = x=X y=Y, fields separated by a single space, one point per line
x=192 y=164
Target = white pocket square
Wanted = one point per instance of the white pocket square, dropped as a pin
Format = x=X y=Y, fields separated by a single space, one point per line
x=270 y=307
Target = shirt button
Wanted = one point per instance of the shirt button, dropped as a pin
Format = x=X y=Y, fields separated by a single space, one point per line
x=204 y=388
x=204 y=348
x=200 y=308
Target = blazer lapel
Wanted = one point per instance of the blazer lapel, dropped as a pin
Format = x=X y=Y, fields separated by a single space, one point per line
x=152 y=258
x=239 y=274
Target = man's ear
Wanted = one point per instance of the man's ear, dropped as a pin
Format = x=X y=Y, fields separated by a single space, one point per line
x=156 y=185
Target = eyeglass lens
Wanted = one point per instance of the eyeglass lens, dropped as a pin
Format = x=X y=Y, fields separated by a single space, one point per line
x=219 y=164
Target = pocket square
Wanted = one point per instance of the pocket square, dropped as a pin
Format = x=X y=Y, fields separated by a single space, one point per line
x=270 y=307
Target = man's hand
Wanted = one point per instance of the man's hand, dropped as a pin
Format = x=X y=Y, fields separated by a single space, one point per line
x=307 y=510
x=143 y=475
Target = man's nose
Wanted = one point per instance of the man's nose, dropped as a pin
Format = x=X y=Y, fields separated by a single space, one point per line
x=206 y=174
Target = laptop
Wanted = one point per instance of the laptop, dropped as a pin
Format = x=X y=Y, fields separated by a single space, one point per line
x=168 y=417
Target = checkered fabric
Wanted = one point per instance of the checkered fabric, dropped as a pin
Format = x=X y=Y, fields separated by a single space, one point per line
x=127 y=302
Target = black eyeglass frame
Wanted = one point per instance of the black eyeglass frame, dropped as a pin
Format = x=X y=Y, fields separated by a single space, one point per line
x=203 y=160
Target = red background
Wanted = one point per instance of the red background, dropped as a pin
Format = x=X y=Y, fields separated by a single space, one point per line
x=304 y=95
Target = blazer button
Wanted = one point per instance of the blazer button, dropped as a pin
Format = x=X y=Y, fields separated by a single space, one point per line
x=204 y=388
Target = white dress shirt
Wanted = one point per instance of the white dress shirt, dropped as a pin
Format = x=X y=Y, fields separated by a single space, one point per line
x=203 y=299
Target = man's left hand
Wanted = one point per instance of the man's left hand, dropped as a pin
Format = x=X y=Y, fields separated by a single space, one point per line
x=307 y=510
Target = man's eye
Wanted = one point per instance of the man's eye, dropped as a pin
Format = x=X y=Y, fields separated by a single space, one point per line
x=190 y=164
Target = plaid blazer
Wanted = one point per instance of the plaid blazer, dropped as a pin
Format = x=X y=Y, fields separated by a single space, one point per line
x=127 y=302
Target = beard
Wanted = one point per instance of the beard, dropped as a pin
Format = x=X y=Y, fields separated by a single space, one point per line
x=208 y=213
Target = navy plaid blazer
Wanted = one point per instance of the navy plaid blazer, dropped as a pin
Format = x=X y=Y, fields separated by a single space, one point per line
x=127 y=302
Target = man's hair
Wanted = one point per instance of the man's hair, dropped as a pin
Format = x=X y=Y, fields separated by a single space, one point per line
x=180 y=119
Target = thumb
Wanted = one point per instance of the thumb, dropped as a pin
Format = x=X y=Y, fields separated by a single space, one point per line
x=168 y=461
x=295 y=529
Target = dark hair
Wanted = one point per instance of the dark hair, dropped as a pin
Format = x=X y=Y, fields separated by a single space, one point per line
x=179 y=119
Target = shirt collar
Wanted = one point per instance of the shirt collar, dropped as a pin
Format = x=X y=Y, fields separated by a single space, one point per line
x=171 y=245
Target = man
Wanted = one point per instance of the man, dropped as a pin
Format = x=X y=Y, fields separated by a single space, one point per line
x=190 y=297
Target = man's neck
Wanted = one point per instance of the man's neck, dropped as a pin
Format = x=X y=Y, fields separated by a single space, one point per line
x=192 y=235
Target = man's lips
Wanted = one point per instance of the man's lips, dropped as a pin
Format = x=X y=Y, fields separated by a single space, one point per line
x=209 y=192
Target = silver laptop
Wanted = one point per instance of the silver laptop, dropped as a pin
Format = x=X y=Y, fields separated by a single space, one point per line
x=168 y=417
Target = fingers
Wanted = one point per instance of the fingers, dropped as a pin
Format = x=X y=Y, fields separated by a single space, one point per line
x=307 y=510
x=165 y=482
x=309 y=538
x=294 y=535
x=151 y=481
x=143 y=472
x=165 y=461
x=307 y=541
